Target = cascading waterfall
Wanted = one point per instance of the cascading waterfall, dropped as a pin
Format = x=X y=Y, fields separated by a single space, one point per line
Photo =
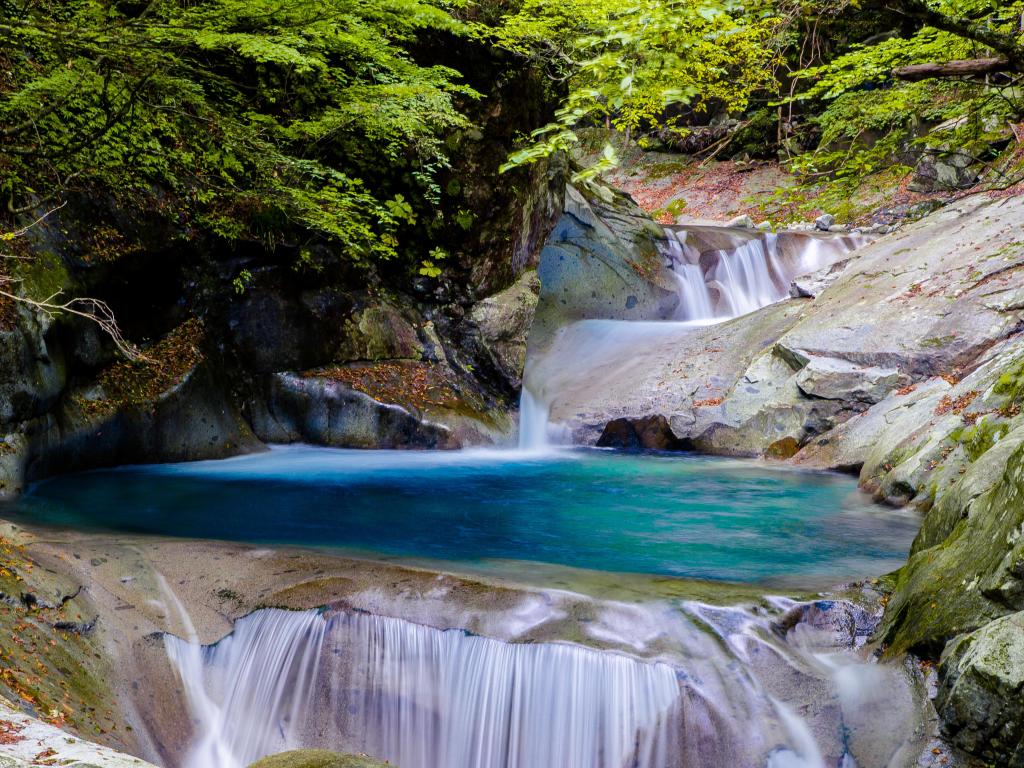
x=726 y=688
x=250 y=694
x=720 y=273
x=420 y=697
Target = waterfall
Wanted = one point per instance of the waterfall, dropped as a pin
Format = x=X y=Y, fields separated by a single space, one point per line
x=748 y=274
x=533 y=422
x=250 y=695
x=420 y=697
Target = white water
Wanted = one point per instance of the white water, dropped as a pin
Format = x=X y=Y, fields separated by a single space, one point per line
x=420 y=697
x=726 y=690
x=533 y=422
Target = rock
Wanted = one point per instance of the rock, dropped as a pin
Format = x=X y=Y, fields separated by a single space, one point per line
x=742 y=222
x=979 y=699
x=824 y=222
x=504 y=322
x=879 y=429
x=316 y=758
x=315 y=409
x=650 y=433
x=945 y=170
x=601 y=261
x=964 y=464
x=379 y=332
x=178 y=414
x=834 y=379
x=34 y=741
x=809 y=286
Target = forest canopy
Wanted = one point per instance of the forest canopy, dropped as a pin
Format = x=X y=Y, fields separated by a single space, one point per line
x=325 y=120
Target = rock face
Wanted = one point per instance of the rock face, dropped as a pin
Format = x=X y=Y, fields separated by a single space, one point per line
x=167 y=406
x=504 y=322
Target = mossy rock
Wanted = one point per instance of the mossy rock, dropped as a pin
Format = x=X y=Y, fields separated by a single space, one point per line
x=317 y=758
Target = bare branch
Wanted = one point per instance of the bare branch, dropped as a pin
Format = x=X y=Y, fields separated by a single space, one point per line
x=95 y=310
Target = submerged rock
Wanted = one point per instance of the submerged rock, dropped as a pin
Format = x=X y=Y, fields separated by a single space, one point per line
x=316 y=758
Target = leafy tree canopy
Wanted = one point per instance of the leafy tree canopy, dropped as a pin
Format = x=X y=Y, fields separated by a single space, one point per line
x=243 y=118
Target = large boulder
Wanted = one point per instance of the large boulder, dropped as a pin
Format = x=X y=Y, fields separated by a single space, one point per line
x=317 y=409
x=982 y=689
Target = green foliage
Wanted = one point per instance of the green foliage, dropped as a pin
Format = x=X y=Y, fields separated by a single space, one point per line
x=247 y=119
x=871 y=123
x=634 y=64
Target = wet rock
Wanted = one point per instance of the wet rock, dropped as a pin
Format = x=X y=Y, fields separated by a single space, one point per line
x=316 y=758
x=834 y=379
x=824 y=222
x=981 y=692
x=811 y=285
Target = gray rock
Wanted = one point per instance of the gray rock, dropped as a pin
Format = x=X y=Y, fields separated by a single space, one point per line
x=833 y=379
x=945 y=170
x=504 y=322
x=982 y=689
x=824 y=222
x=811 y=285
x=742 y=222
x=318 y=410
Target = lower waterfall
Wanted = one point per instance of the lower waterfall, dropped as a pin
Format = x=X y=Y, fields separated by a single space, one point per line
x=726 y=687
x=420 y=697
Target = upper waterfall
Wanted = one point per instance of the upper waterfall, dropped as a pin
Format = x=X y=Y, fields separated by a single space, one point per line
x=702 y=274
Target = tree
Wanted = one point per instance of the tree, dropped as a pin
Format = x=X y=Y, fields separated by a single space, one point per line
x=240 y=119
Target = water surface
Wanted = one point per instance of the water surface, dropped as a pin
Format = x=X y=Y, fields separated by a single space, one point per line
x=692 y=517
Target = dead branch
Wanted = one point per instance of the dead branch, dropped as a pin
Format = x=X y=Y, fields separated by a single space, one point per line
x=95 y=310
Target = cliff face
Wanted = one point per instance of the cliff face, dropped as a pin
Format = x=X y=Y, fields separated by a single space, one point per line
x=242 y=344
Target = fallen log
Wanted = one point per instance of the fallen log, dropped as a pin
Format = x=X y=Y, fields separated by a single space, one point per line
x=959 y=68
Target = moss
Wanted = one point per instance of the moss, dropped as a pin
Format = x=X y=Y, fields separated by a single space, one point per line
x=977 y=440
x=1011 y=387
x=316 y=758
x=42 y=276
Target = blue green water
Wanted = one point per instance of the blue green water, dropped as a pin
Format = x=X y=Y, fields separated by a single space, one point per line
x=674 y=516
